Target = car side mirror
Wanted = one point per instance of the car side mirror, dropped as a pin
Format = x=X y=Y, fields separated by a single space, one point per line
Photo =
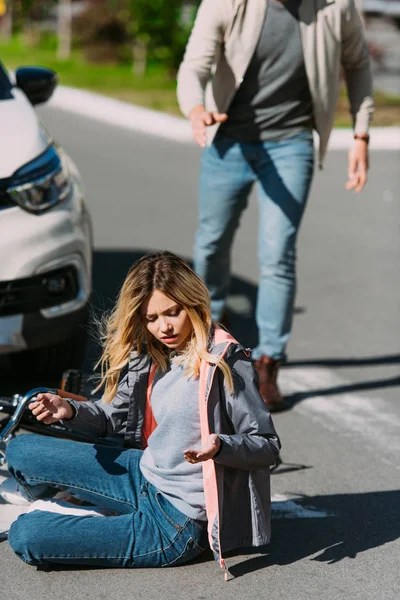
x=38 y=83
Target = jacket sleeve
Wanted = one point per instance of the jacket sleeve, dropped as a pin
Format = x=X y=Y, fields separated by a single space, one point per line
x=201 y=53
x=98 y=419
x=357 y=67
x=254 y=443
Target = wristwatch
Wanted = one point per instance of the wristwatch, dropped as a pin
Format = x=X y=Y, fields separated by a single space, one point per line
x=362 y=136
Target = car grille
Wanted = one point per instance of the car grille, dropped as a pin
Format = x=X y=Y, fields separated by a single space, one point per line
x=21 y=296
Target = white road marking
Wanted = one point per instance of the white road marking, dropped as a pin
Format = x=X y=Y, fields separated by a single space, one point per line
x=283 y=507
x=340 y=412
x=128 y=116
x=372 y=420
x=286 y=507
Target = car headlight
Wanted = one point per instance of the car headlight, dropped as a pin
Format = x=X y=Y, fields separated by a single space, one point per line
x=41 y=183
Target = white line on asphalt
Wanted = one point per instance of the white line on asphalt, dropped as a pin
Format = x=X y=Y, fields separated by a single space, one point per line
x=121 y=114
x=343 y=411
x=285 y=507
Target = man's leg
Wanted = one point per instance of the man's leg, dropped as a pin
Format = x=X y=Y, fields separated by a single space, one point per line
x=284 y=171
x=224 y=185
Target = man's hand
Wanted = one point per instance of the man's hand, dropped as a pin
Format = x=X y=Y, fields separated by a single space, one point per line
x=208 y=450
x=200 y=119
x=51 y=408
x=358 y=166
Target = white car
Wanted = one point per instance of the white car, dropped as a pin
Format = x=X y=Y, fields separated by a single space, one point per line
x=45 y=235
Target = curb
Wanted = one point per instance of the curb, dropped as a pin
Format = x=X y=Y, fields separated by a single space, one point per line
x=151 y=122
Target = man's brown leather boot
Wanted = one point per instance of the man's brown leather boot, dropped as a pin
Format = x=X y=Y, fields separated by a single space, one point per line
x=267 y=369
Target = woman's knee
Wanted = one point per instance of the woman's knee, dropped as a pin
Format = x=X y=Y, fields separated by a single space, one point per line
x=19 y=450
x=24 y=536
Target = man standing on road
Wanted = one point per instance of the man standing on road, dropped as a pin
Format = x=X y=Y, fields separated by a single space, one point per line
x=257 y=77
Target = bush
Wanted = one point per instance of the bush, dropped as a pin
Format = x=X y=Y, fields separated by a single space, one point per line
x=156 y=30
x=101 y=32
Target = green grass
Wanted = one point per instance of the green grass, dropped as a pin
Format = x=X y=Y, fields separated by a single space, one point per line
x=155 y=90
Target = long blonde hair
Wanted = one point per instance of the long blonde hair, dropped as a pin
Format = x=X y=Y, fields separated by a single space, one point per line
x=124 y=331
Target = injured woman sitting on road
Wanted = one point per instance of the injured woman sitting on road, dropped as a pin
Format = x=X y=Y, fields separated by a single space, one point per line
x=196 y=439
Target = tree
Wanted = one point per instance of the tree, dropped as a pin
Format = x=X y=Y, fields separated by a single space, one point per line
x=5 y=19
x=146 y=30
x=158 y=29
x=64 y=27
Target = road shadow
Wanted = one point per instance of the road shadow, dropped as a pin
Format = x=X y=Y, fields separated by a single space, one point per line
x=110 y=268
x=355 y=523
x=346 y=388
x=335 y=363
x=361 y=386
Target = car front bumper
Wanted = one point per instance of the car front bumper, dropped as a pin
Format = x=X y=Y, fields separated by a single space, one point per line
x=32 y=247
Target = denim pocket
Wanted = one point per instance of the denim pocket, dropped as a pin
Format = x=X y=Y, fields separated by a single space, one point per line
x=191 y=551
x=164 y=506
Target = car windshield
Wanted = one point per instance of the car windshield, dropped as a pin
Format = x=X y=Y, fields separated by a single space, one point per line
x=5 y=84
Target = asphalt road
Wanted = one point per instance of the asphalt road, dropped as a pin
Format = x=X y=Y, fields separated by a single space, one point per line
x=336 y=522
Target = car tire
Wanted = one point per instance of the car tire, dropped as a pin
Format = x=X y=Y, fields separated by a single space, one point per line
x=47 y=364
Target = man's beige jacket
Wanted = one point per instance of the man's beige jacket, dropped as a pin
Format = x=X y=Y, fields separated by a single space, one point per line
x=226 y=33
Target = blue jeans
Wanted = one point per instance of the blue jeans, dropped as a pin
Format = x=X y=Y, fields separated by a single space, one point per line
x=283 y=171
x=147 y=531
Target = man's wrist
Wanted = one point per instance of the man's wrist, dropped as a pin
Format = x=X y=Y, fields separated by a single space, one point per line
x=362 y=137
x=196 y=111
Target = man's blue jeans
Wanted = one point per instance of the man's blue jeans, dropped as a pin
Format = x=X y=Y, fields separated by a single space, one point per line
x=147 y=531
x=283 y=171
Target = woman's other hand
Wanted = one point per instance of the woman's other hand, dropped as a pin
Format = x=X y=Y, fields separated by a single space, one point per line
x=202 y=118
x=208 y=450
x=51 y=408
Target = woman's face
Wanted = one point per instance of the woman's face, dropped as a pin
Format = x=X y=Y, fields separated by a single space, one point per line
x=166 y=320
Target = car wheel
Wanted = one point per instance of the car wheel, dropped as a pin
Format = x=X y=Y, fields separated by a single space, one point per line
x=49 y=363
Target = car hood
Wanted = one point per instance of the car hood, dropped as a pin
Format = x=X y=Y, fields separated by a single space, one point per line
x=22 y=137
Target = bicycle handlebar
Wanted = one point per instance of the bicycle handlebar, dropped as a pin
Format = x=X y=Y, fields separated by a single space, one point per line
x=17 y=416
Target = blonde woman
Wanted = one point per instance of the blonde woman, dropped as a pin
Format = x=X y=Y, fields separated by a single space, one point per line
x=193 y=440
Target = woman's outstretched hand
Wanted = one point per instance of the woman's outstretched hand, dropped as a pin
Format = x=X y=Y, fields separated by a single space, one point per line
x=51 y=408
x=208 y=450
